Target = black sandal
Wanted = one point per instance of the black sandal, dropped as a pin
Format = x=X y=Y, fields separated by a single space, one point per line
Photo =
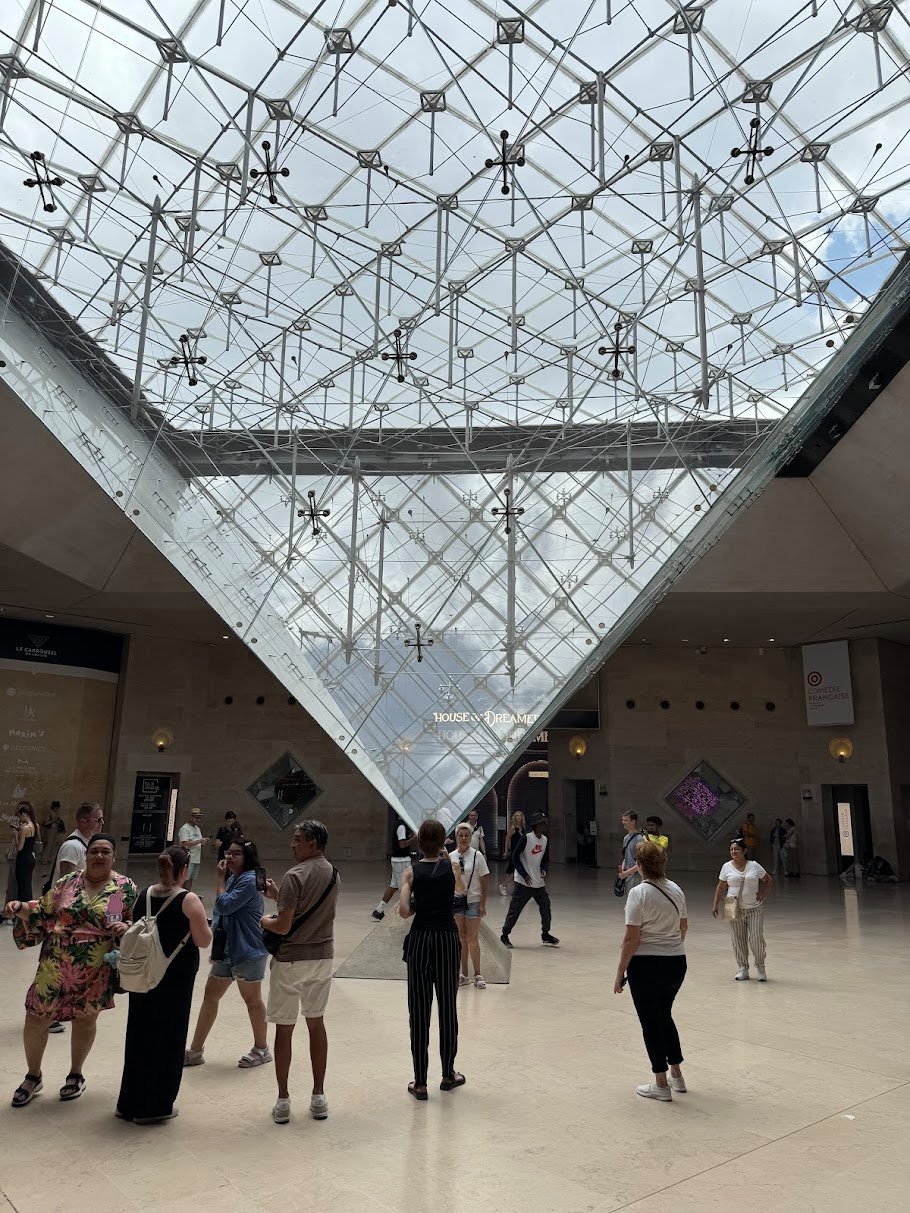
x=25 y=1094
x=417 y=1092
x=453 y=1081
x=72 y=1088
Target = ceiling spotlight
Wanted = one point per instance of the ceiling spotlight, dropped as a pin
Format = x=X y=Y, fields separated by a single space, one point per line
x=726 y=640
x=770 y=640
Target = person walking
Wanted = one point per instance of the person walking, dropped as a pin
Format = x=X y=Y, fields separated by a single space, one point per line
x=71 y=856
x=742 y=888
x=301 y=969
x=237 y=914
x=77 y=922
x=778 y=834
x=191 y=837
x=531 y=857
x=791 y=851
x=515 y=832
x=653 y=960
x=158 y=1021
x=628 y=867
x=475 y=873
x=478 y=842
x=27 y=840
x=405 y=841
x=431 y=952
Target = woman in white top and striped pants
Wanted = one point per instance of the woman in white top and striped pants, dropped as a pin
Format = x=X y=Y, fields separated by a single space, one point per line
x=743 y=885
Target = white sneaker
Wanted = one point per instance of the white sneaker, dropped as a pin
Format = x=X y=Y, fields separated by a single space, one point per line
x=761 y=974
x=281 y=1113
x=650 y=1090
x=319 y=1106
x=677 y=1084
x=463 y=980
x=479 y=983
x=741 y=975
x=503 y=891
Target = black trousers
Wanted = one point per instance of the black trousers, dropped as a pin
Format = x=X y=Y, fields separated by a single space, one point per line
x=654 y=982
x=433 y=961
x=520 y=899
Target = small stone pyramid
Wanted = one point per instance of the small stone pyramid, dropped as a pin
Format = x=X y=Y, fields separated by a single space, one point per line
x=378 y=956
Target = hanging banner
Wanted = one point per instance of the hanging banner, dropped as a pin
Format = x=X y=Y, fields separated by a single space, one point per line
x=826 y=681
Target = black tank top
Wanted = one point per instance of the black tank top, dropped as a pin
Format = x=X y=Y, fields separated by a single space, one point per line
x=433 y=889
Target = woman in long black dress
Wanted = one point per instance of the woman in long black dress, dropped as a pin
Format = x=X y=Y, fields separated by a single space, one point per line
x=28 y=837
x=159 y=1020
x=432 y=954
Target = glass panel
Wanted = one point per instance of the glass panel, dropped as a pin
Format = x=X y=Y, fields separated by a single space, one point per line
x=370 y=364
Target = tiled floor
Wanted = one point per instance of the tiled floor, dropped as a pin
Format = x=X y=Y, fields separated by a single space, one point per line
x=799 y=1089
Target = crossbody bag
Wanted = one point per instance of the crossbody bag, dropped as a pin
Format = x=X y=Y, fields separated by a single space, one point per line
x=732 y=906
x=272 y=941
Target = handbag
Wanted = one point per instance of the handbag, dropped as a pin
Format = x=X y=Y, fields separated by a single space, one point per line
x=619 y=886
x=271 y=941
x=219 y=943
x=731 y=904
x=460 y=900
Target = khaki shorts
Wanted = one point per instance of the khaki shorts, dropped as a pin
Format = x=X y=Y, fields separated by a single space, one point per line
x=298 y=987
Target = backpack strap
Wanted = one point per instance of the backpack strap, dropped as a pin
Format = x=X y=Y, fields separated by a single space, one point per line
x=301 y=919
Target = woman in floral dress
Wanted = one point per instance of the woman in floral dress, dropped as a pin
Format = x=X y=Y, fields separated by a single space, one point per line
x=77 y=922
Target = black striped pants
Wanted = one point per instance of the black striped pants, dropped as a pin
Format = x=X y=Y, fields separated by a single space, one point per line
x=433 y=960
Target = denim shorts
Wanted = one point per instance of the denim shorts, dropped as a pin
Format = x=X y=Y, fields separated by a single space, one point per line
x=473 y=910
x=247 y=970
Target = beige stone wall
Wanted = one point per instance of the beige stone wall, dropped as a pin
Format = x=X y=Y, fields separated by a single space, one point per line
x=219 y=749
x=639 y=754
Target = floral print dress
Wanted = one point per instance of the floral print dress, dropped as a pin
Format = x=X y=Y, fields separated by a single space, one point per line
x=74 y=931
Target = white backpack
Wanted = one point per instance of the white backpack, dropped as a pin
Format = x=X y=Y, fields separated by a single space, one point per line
x=142 y=963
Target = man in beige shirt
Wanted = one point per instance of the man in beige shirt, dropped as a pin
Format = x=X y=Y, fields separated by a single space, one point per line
x=301 y=970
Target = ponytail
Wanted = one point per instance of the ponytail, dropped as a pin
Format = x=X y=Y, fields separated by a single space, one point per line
x=172 y=862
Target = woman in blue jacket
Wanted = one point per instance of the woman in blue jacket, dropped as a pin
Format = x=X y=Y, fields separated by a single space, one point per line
x=237 y=911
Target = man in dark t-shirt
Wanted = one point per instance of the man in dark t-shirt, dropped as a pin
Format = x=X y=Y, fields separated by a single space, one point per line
x=301 y=970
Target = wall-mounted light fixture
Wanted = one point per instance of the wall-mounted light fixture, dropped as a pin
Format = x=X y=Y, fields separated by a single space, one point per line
x=161 y=739
x=840 y=748
x=578 y=747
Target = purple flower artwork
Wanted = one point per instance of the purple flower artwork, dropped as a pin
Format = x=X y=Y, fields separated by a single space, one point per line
x=705 y=799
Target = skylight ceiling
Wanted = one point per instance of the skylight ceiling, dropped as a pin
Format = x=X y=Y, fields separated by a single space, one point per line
x=337 y=285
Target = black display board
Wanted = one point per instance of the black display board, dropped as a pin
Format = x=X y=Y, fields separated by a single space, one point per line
x=51 y=644
x=151 y=807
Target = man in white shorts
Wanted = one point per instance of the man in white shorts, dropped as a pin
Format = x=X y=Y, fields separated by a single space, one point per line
x=405 y=841
x=301 y=970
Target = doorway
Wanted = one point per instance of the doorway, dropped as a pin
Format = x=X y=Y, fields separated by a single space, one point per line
x=848 y=826
x=585 y=823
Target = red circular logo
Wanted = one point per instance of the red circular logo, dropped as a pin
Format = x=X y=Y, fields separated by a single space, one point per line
x=813 y=678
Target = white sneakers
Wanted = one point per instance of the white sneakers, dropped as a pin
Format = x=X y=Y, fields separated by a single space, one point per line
x=479 y=983
x=743 y=974
x=281 y=1112
x=463 y=980
x=677 y=1084
x=650 y=1090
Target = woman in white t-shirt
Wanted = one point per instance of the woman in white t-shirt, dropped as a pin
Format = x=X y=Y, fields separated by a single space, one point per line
x=472 y=866
x=744 y=884
x=653 y=960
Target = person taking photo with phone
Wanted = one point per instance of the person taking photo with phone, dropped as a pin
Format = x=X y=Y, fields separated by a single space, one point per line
x=238 y=954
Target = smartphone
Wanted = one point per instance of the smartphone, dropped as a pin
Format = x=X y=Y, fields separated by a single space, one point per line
x=261 y=879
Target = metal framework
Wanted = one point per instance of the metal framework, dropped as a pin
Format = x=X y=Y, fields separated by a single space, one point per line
x=320 y=272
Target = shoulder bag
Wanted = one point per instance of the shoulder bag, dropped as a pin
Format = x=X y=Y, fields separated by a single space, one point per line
x=732 y=904
x=272 y=941
x=663 y=893
x=460 y=900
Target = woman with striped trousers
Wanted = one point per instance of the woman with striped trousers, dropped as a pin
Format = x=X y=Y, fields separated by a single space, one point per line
x=432 y=951
x=743 y=886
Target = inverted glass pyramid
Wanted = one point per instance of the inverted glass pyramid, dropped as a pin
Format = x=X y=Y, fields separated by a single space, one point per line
x=412 y=323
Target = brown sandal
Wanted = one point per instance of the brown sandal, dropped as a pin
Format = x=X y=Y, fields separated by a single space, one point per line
x=417 y=1092
x=453 y=1081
